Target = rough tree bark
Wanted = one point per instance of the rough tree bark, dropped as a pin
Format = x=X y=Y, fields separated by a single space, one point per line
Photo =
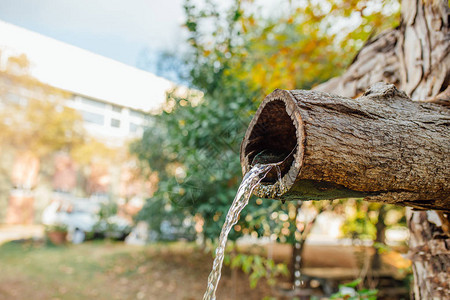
x=382 y=146
x=429 y=250
x=416 y=58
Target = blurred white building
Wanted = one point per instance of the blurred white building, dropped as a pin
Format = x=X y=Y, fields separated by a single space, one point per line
x=112 y=97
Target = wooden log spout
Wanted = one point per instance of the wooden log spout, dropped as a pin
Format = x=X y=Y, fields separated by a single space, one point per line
x=382 y=147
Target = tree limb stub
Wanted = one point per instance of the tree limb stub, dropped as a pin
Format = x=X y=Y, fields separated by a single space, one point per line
x=382 y=147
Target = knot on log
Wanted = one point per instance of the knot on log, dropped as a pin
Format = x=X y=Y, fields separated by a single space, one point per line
x=384 y=91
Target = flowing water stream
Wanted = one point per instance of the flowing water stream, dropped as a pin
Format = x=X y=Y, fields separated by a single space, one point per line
x=249 y=182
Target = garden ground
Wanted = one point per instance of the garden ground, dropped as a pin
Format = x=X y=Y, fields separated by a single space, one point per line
x=113 y=270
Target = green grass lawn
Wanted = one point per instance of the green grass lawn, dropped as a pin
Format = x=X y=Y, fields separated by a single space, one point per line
x=113 y=270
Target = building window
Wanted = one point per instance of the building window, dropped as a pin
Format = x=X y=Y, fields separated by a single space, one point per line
x=133 y=127
x=93 y=118
x=92 y=102
x=116 y=108
x=136 y=113
x=16 y=99
x=115 y=123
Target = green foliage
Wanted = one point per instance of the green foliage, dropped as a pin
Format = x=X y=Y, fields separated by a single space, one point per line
x=259 y=267
x=194 y=145
x=235 y=57
x=310 y=42
x=362 y=218
x=107 y=210
x=56 y=228
x=351 y=292
x=360 y=222
x=198 y=162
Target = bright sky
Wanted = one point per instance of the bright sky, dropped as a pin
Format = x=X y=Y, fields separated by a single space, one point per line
x=117 y=29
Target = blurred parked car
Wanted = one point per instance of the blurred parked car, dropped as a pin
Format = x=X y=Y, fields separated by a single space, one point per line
x=82 y=218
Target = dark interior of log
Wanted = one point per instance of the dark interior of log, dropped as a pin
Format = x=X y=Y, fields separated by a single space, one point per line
x=274 y=132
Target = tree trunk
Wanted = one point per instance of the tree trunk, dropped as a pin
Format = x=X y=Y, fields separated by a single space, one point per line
x=382 y=147
x=416 y=58
x=429 y=250
x=380 y=238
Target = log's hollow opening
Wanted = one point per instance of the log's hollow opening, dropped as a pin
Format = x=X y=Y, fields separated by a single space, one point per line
x=272 y=140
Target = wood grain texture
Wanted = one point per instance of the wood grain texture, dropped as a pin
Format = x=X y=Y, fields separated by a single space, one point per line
x=382 y=146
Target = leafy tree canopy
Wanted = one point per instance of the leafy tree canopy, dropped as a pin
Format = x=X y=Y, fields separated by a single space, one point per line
x=33 y=116
x=35 y=119
x=236 y=55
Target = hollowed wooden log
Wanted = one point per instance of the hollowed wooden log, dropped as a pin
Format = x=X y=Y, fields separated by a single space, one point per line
x=382 y=147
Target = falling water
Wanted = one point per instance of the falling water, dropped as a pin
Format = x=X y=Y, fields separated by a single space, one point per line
x=250 y=181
